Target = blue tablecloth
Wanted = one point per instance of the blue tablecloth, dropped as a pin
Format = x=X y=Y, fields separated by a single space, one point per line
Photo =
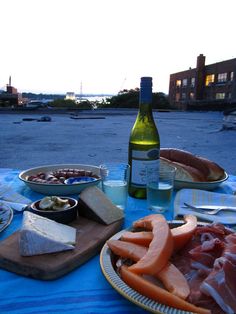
x=84 y=290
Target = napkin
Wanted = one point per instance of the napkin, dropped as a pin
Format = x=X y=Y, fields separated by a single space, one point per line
x=200 y=197
x=8 y=194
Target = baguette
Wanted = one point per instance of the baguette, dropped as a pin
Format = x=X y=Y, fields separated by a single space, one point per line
x=215 y=171
x=183 y=172
x=185 y=158
x=191 y=167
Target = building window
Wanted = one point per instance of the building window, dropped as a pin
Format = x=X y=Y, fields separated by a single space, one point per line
x=222 y=77
x=177 y=97
x=231 y=76
x=185 y=82
x=210 y=79
x=220 y=95
x=191 y=96
x=183 y=96
x=193 y=82
x=178 y=83
x=229 y=95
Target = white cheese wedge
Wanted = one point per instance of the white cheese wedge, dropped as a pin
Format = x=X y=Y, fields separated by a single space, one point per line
x=40 y=235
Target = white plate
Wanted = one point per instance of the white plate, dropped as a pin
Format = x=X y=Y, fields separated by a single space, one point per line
x=6 y=215
x=179 y=184
x=58 y=189
x=106 y=263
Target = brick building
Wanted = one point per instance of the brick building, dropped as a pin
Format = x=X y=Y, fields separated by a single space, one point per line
x=205 y=85
x=10 y=97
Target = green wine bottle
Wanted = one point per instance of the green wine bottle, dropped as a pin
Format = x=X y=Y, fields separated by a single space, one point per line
x=144 y=142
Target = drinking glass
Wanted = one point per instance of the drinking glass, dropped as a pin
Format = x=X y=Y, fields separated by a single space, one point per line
x=115 y=178
x=160 y=184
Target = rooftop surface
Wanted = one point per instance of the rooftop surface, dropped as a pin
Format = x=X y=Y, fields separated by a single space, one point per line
x=102 y=136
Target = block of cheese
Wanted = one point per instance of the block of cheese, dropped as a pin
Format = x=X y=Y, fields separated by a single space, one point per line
x=95 y=205
x=40 y=235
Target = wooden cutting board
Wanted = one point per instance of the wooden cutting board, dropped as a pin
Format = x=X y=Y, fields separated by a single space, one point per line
x=90 y=238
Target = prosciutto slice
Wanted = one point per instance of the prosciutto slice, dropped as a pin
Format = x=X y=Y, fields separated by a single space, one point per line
x=221 y=282
x=208 y=262
x=206 y=253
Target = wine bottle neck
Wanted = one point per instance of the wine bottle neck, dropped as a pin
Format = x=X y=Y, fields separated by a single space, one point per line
x=145 y=101
x=145 y=109
x=145 y=96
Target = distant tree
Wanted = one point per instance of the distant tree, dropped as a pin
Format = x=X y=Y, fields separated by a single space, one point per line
x=70 y=104
x=33 y=96
x=130 y=99
x=63 y=103
x=160 y=101
x=85 y=104
x=124 y=99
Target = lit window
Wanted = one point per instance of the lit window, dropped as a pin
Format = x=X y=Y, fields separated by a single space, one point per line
x=220 y=95
x=185 y=82
x=231 y=76
x=191 y=95
x=178 y=83
x=210 y=79
x=192 y=81
x=222 y=77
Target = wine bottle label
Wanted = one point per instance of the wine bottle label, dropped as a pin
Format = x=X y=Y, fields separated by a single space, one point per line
x=140 y=160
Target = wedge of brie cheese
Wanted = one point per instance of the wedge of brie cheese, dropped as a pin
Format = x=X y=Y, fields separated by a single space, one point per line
x=40 y=235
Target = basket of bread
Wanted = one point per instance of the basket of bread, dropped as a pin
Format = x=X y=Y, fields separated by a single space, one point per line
x=192 y=171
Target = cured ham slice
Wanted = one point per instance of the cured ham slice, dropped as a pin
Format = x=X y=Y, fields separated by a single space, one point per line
x=206 y=253
x=221 y=282
x=208 y=263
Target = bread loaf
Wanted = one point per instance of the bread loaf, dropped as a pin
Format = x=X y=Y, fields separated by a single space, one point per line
x=183 y=172
x=185 y=158
x=191 y=167
x=215 y=171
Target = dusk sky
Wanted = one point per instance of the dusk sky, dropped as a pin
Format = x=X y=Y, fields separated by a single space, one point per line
x=55 y=46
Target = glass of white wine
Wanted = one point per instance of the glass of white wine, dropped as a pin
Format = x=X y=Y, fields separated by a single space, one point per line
x=115 y=177
x=160 y=184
